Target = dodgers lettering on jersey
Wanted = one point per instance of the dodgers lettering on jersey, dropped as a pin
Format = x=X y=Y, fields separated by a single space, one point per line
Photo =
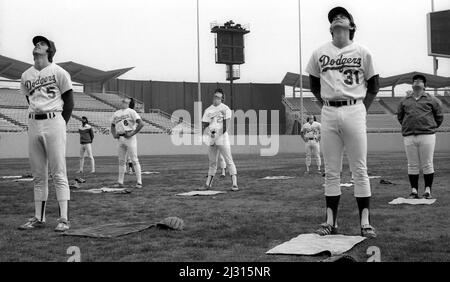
x=45 y=87
x=311 y=130
x=343 y=72
x=125 y=120
x=215 y=116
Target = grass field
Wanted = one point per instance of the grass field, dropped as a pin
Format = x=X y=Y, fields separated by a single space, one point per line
x=236 y=226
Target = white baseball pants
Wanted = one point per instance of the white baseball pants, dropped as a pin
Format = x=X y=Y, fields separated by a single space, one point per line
x=345 y=127
x=86 y=149
x=128 y=145
x=312 y=149
x=221 y=146
x=419 y=152
x=47 y=149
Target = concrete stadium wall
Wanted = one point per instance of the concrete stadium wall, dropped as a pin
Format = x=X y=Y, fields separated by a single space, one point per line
x=15 y=145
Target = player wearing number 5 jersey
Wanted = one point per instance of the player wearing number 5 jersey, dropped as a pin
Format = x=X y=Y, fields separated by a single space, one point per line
x=48 y=89
x=343 y=78
x=125 y=124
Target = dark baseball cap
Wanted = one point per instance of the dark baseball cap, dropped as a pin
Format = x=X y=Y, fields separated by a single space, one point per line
x=39 y=38
x=421 y=77
x=339 y=10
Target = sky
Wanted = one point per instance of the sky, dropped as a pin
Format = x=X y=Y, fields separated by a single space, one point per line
x=158 y=37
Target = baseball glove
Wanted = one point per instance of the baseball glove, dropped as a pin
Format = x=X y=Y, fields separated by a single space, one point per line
x=174 y=223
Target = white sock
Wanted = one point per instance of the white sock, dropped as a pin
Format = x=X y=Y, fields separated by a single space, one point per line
x=63 y=207
x=428 y=190
x=92 y=165
x=223 y=171
x=234 y=179
x=365 y=217
x=81 y=163
x=39 y=210
x=209 y=180
x=137 y=170
x=330 y=217
x=307 y=168
x=122 y=169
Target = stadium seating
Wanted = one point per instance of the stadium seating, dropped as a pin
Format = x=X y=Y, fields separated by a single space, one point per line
x=6 y=126
x=380 y=122
x=12 y=98
x=377 y=108
x=20 y=116
x=86 y=102
x=111 y=99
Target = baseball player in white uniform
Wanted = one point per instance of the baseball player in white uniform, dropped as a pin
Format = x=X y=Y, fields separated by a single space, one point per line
x=216 y=120
x=48 y=89
x=311 y=135
x=343 y=78
x=125 y=124
x=86 y=138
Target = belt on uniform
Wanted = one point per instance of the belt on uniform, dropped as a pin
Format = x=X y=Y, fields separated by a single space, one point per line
x=339 y=103
x=41 y=116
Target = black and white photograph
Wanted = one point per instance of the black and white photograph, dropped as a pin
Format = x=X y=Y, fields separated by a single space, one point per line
x=223 y=137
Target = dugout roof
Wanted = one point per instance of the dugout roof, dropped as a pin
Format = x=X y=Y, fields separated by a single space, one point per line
x=433 y=81
x=13 y=69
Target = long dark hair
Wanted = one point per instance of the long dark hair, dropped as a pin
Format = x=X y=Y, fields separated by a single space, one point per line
x=131 y=104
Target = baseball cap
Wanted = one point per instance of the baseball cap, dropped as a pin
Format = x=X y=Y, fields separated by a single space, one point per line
x=51 y=45
x=336 y=11
x=421 y=77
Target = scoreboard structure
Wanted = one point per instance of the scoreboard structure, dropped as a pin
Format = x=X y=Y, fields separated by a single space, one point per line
x=438 y=24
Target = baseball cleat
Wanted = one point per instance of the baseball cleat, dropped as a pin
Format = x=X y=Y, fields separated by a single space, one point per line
x=32 y=223
x=326 y=229
x=117 y=185
x=79 y=171
x=235 y=188
x=138 y=186
x=62 y=225
x=427 y=196
x=413 y=196
x=223 y=175
x=368 y=231
x=204 y=188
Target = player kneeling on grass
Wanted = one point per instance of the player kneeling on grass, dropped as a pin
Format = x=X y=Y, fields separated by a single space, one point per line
x=216 y=120
x=48 y=89
x=420 y=114
x=343 y=79
x=125 y=124
x=86 y=138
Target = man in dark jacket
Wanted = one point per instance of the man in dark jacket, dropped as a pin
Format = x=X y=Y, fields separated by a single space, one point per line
x=86 y=138
x=420 y=114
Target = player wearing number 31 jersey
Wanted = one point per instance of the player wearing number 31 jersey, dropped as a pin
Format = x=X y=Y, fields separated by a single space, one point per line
x=343 y=78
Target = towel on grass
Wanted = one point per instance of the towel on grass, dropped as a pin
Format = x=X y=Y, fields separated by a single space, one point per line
x=201 y=193
x=401 y=200
x=347 y=185
x=11 y=177
x=105 y=190
x=277 y=177
x=113 y=230
x=24 y=180
x=313 y=244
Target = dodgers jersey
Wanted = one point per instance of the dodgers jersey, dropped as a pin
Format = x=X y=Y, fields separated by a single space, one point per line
x=311 y=130
x=125 y=120
x=45 y=87
x=215 y=115
x=343 y=72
